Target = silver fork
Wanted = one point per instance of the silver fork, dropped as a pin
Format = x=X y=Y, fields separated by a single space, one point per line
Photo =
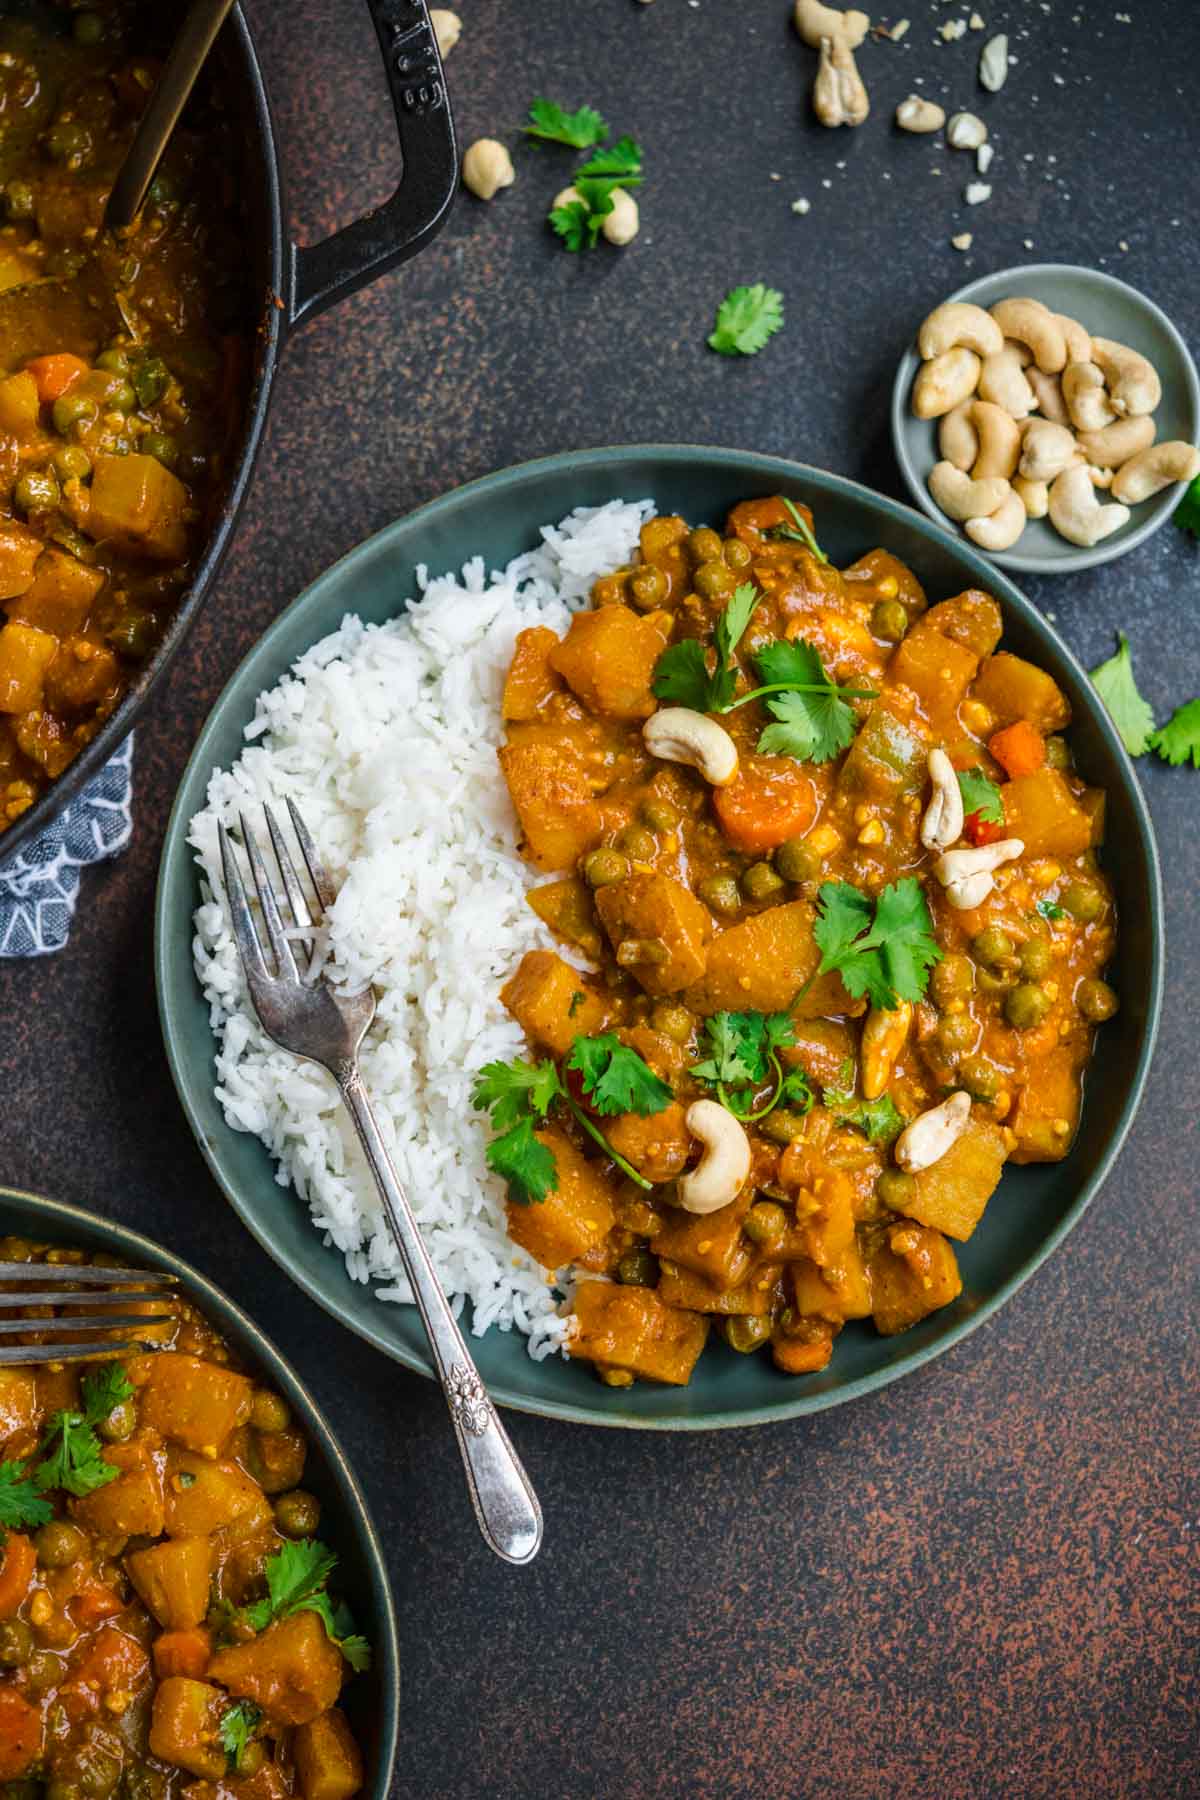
x=309 y=1018
x=104 y=1292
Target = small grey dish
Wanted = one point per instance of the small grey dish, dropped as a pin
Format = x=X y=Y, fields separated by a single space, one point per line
x=1105 y=307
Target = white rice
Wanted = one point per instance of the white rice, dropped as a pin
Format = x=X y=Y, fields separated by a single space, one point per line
x=385 y=737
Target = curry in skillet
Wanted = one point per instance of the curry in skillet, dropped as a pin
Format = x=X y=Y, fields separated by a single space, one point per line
x=122 y=363
x=833 y=925
x=166 y=1628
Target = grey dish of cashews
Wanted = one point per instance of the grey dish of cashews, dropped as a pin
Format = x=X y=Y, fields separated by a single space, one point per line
x=1136 y=359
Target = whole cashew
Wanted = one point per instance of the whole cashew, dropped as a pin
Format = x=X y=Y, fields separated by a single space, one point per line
x=1086 y=398
x=993 y=63
x=487 y=167
x=883 y=1038
x=676 y=734
x=1001 y=529
x=1046 y=449
x=622 y=224
x=931 y=1133
x=1047 y=391
x=1132 y=381
x=961 y=498
x=945 y=382
x=1114 y=444
x=957 y=322
x=916 y=114
x=814 y=22
x=1034 y=496
x=1075 y=512
x=968 y=875
x=839 y=97
x=721 y=1173
x=958 y=439
x=1152 y=470
x=1079 y=342
x=1002 y=381
x=999 y=440
x=1034 y=324
x=943 y=821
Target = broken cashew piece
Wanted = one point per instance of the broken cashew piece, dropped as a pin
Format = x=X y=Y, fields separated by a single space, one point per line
x=916 y=114
x=883 y=1037
x=945 y=383
x=993 y=63
x=1002 y=380
x=1086 y=397
x=968 y=875
x=1046 y=450
x=1075 y=512
x=1034 y=324
x=1114 y=444
x=943 y=821
x=966 y=131
x=960 y=497
x=1034 y=496
x=814 y=22
x=1047 y=392
x=447 y=29
x=1001 y=529
x=957 y=323
x=721 y=1173
x=677 y=734
x=1152 y=470
x=1132 y=381
x=932 y=1133
x=487 y=167
x=958 y=439
x=839 y=97
x=999 y=440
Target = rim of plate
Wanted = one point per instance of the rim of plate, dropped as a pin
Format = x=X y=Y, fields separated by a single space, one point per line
x=758 y=464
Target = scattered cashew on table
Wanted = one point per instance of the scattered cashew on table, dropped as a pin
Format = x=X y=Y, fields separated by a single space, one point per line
x=1034 y=415
x=839 y=96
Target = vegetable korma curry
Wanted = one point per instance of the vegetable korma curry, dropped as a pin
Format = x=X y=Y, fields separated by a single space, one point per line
x=122 y=370
x=824 y=851
x=166 y=1628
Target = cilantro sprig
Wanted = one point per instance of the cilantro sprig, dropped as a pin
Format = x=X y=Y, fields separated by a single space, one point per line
x=879 y=1120
x=238 y=1725
x=1177 y=742
x=297 y=1579
x=746 y=318
x=1050 y=909
x=20 y=1503
x=883 y=949
x=980 y=796
x=743 y=1053
x=73 y=1455
x=1179 y=739
x=552 y=124
x=681 y=674
x=798 y=532
x=616 y=1079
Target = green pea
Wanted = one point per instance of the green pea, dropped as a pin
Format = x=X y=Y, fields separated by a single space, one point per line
x=783 y=1125
x=659 y=814
x=1058 y=753
x=760 y=882
x=979 y=1076
x=1083 y=901
x=996 y=981
x=59 y=1543
x=269 y=1412
x=715 y=580
x=797 y=860
x=952 y=979
x=637 y=842
x=122 y=397
x=739 y=556
x=72 y=409
x=1026 y=1006
x=704 y=546
x=745 y=1332
x=889 y=621
x=766 y=1222
x=673 y=1021
x=896 y=1188
x=87 y=28
x=16 y=1643
x=957 y=1033
x=297 y=1513
x=72 y=463
x=68 y=141
x=150 y=378
x=992 y=947
x=648 y=587
x=114 y=361
x=19 y=200
x=1034 y=959
x=120 y=1424
x=1096 y=1000
x=638 y=1268
x=37 y=491
x=602 y=866
x=722 y=893
x=134 y=635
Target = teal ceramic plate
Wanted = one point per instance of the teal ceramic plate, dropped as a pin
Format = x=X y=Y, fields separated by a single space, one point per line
x=371 y=1700
x=500 y=516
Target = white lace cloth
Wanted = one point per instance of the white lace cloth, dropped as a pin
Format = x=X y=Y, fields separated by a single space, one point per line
x=39 y=887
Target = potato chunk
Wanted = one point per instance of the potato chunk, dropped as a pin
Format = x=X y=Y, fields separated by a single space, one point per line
x=952 y=1192
x=291 y=1670
x=173 y=1579
x=550 y=1002
x=763 y=963
x=25 y=655
x=575 y=1217
x=935 y=668
x=191 y=1402
x=629 y=1328
x=552 y=793
x=185 y=1726
x=608 y=658
x=837 y=1292
x=328 y=1761
x=133 y=1504
x=658 y=929
x=531 y=680
x=1012 y=689
x=204 y=1496
x=19 y=1410
x=60 y=596
x=137 y=505
x=1041 y=810
x=657 y=1144
x=20 y=407
x=711 y=1244
x=913 y=1272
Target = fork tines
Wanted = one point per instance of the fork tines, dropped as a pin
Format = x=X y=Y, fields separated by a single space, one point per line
x=305 y=917
x=85 y=1306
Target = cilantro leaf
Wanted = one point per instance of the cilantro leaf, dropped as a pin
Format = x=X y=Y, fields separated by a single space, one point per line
x=1050 y=909
x=20 y=1502
x=297 y=1576
x=510 y=1091
x=882 y=950
x=795 y=664
x=903 y=931
x=620 y=162
x=73 y=1458
x=524 y=1162
x=577 y=225
x=551 y=123
x=879 y=1120
x=979 y=795
x=814 y=722
x=796 y=1093
x=237 y=1727
x=730 y=627
x=103 y=1391
x=743 y=1049
x=1187 y=513
x=1179 y=738
x=798 y=532
x=746 y=318
x=616 y=1079
x=1115 y=684
x=681 y=673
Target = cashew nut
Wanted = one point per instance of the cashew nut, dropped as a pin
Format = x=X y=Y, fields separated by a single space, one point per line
x=945 y=382
x=1034 y=496
x=1075 y=512
x=993 y=64
x=447 y=28
x=999 y=440
x=957 y=322
x=487 y=167
x=1046 y=449
x=676 y=734
x=1002 y=380
x=931 y=1133
x=1086 y=398
x=814 y=22
x=721 y=1173
x=966 y=131
x=1079 y=341
x=1047 y=391
x=1034 y=324
x=1152 y=470
x=943 y=821
x=1132 y=381
x=1114 y=444
x=1001 y=529
x=958 y=439
x=883 y=1038
x=1100 y=478
x=961 y=498
x=968 y=875
x=916 y=114
x=622 y=224
x=839 y=97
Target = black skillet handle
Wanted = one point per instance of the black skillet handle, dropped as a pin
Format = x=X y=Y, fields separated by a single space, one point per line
x=327 y=272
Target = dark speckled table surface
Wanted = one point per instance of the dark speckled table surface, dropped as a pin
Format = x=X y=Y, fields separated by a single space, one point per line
x=981 y=1582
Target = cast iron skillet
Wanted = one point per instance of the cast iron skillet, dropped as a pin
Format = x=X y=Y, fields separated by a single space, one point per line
x=294 y=284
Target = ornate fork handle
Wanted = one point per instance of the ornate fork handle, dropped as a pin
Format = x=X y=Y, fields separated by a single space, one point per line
x=505 y=1504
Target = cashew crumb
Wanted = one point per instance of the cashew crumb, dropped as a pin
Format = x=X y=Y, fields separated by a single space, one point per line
x=802 y=205
x=963 y=241
x=976 y=192
x=983 y=158
x=898 y=29
x=952 y=30
x=977 y=23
